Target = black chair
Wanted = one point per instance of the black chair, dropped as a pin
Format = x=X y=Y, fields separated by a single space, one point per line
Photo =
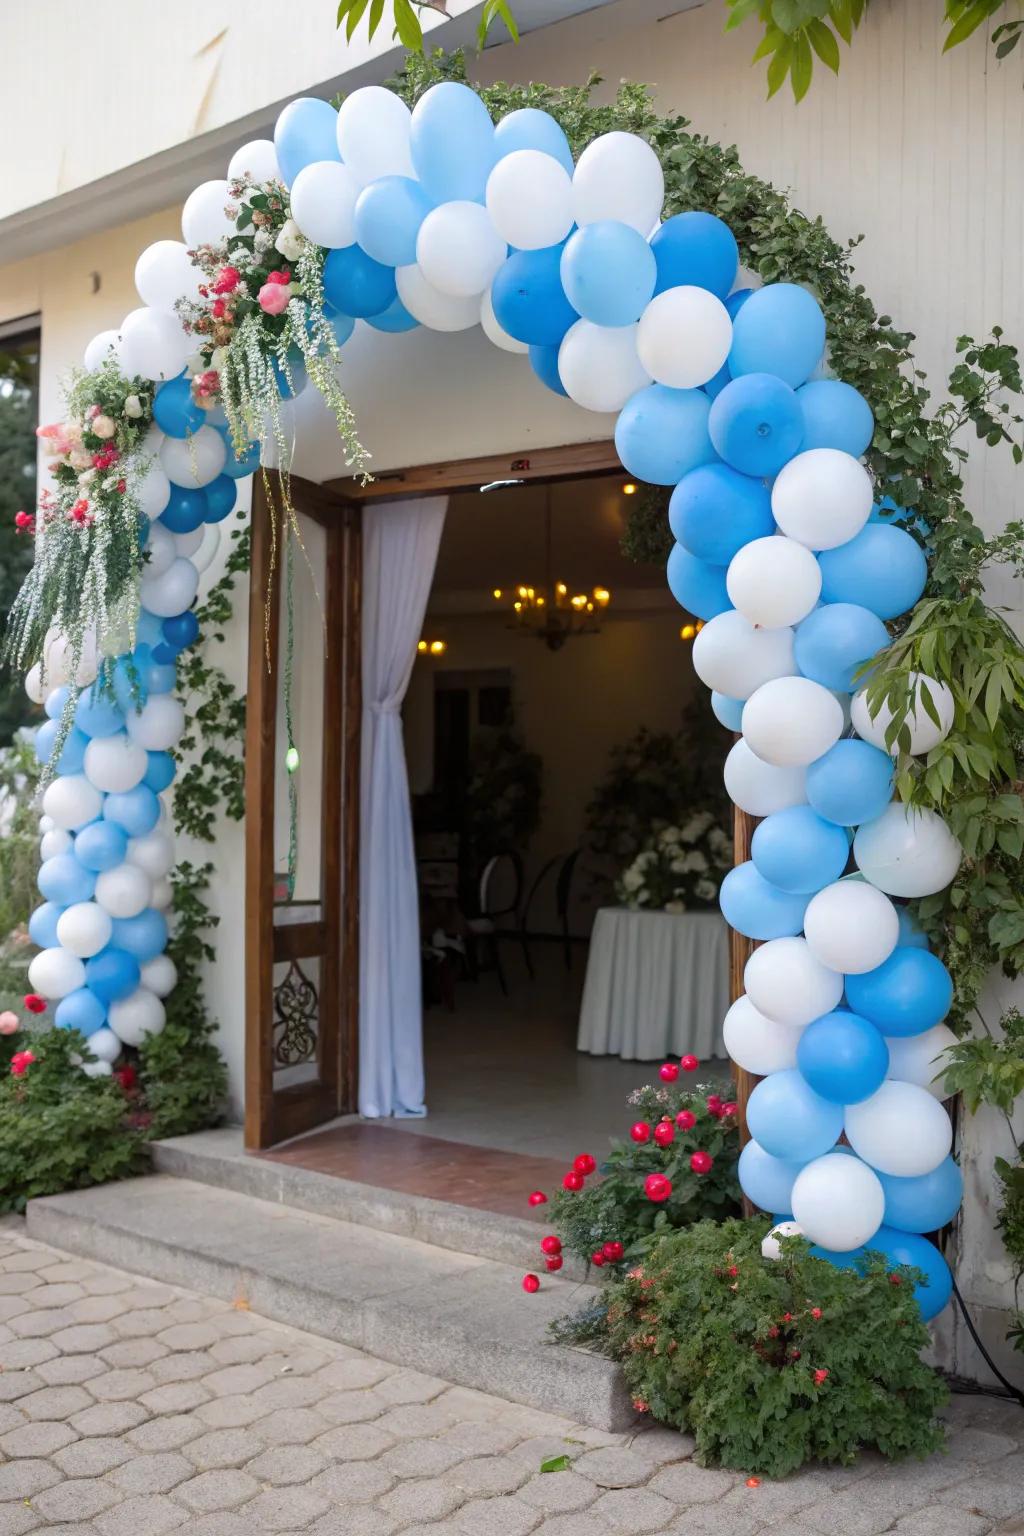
x=566 y=866
x=484 y=930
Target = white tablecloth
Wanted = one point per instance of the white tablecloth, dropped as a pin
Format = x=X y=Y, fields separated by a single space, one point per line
x=657 y=985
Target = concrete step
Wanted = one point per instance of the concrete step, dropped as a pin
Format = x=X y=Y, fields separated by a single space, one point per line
x=219 y=1158
x=454 y=1315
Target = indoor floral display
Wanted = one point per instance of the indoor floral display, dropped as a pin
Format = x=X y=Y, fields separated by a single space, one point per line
x=680 y=868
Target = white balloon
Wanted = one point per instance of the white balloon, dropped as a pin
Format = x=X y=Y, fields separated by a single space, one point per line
x=54 y=973
x=458 y=249
x=123 y=891
x=323 y=200
x=84 y=929
x=152 y=852
x=34 y=683
x=791 y=721
x=100 y=350
x=186 y=544
x=438 y=311
x=906 y=851
x=114 y=763
x=104 y=1045
x=684 y=337
x=736 y=659
x=97 y=1068
x=900 y=1130
x=161 y=894
x=160 y=975
x=618 y=176
x=773 y=582
x=760 y=788
x=493 y=331
x=851 y=927
x=160 y=550
x=154 y=344
x=922 y=1059
x=209 y=544
x=172 y=592
x=47 y=824
x=599 y=366
x=924 y=733
x=770 y=1245
x=54 y=842
x=164 y=274
x=158 y=725
x=134 y=1017
x=756 y=1043
x=72 y=801
x=785 y=981
x=373 y=134
x=838 y=1201
x=203 y=220
x=196 y=460
x=529 y=199
x=58 y=660
x=255 y=162
x=153 y=490
x=822 y=498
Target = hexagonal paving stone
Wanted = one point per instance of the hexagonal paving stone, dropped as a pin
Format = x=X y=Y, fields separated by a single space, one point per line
x=225 y=1488
x=77 y=1498
x=169 y=1432
x=353 y=1482
x=133 y=1353
x=354 y=1442
x=175 y=1397
x=686 y=1483
x=352 y=1407
x=289 y=1426
x=415 y=1420
x=15 y=1384
x=634 y=1510
x=24 y=1479
x=285 y=1509
x=151 y=1515
x=558 y=1492
x=614 y=1467
x=18 y=1519
x=84 y=1338
x=93 y=1457
x=498 y=1517
x=70 y=1370
x=108 y=1418
x=37 y=1439
x=425 y=1499
x=55 y=1402
x=158 y=1472
x=485 y=1476
x=349 y=1375
x=286 y=1465
x=422 y=1458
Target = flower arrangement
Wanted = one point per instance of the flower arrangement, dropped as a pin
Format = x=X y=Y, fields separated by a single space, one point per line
x=681 y=867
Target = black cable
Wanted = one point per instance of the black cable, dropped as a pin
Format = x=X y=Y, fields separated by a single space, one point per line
x=1014 y=1394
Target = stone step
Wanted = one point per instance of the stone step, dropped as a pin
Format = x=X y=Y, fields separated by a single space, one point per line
x=450 y=1314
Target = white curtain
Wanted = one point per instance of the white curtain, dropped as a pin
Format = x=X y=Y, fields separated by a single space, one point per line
x=400 y=543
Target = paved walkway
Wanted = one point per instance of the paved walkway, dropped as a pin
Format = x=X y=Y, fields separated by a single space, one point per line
x=129 y=1408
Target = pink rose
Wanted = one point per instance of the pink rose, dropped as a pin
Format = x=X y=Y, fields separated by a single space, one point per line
x=8 y=1022
x=274 y=298
x=102 y=426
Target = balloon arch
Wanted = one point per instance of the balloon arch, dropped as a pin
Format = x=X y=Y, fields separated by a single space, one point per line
x=441 y=218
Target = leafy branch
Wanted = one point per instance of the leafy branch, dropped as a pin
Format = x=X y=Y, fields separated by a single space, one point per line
x=406 y=23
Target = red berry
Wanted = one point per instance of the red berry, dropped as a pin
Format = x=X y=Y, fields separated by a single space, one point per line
x=689 y=1063
x=551 y=1244
x=686 y=1119
x=640 y=1131
x=584 y=1163
x=597 y=1259
x=664 y=1133
x=573 y=1180
x=538 y=1197
x=702 y=1162
x=657 y=1187
x=554 y=1262
x=613 y=1252
x=669 y=1072
x=531 y=1283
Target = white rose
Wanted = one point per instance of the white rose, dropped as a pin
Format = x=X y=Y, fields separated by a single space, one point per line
x=632 y=880
x=133 y=407
x=290 y=241
x=706 y=890
x=87 y=477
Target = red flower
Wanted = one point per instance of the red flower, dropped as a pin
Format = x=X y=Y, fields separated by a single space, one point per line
x=226 y=281
x=597 y=1259
x=713 y=1102
x=538 y=1198
x=551 y=1244
x=732 y=1271
x=640 y=1405
x=701 y=1162
x=787 y=1317
x=794 y=1354
x=584 y=1163
x=773 y=1333
x=819 y=1377
x=34 y=1003
x=283 y=276
x=218 y=309
x=613 y=1252
x=553 y=1262
x=640 y=1131
x=20 y=1063
x=664 y=1133
x=126 y=1076
x=24 y=522
x=689 y=1063
x=815 y=1313
x=686 y=1119
x=573 y=1180
x=122 y=486
x=531 y=1283
x=895 y=1280
x=657 y=1187
x=730 y=1108
x=669 y=1072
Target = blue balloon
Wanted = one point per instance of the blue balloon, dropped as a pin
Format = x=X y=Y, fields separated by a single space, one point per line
x=42 y=925
x=63 y=880
x=111 y=974
x=529 y=300
x=393 y=320
x=136 y=811
x=697 y=249
x=164 y=654
x=925 y=1203
x=728 y=712
x=697 y=586
x=780 y=330
x=757 y=909
x=344 y=325
x=96 y=714
x=73 y=751
x=182 y=630
x=306 y=131
x=833 y=643
x=452 y=143
x=388 y=216
x=237 y=468
x=174 y=410
x=143 y=936
x=155 y=676
x=889 y=515
x=789 y=1120
x=912 y=935
x=56 y=699
x=185 y=511
x=530 y=128
x=544 y=362
x=756 y=424
x=767 y=1180
x=851 y=783
x=882 y=569
x=714 y=386
x=101 y=845
x=662 y=433
x=842 y=1057
x=81 y=1010
x=160 y=773
x=149 y=628
x=907 y=994
x=909 y=1248
x=128 y=685
x=798 y=851
x=848 y=1260
x=290 y=388
x=356 y=284
x=608 y=272
x=714 y=511
x=836 y=416
x=221 y=495
x=735 y=302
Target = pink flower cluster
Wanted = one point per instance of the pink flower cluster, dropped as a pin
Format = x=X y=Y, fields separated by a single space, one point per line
x=275 y=295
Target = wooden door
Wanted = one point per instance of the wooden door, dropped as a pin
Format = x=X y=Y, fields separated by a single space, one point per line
x=302 y=860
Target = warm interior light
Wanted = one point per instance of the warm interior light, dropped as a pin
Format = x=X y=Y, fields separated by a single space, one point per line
x=521 y=591
x=518 y=607
x=579 y=601
x=497 y=594
x=629 y=489
x=438 y=647
x=602 y=596
x=422 y=647
x=687 y=632
x=540 y=602
x=561 y=588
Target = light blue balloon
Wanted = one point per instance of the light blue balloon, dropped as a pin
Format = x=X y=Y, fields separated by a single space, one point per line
x=238 y=467
x=155 y=676
x=882 y=569
x=160 y=773
x=848 y=1260
x=798 y=851
x=306 y=131
x=697 y=586
x=833 y=643
x=149 y=630
x=63 y=880
x=143 y=936
x=757 y=909
x=766 y=1180
x=889 y=515
x=662 y=433
x=393 y=320
x=96 y=714
x=530 y=128
x=136 y=811
x=909 y=1248
x=528 y=298
x=101 y=845
x=388 y=215
x=42 y=925
x=452 y=143
x=289 y=389
x=56 y=699
x=128 y=685
x=836 y=416
x=356 y=284
x=111 y=974
x=697 y=249
x=907 y=994
x=544 y=362
x=608 y=271
x=715 y=510
x=756 y=424
x=72 y=753
x=81 y=1010
x=925 y=1203
x=851 y=783
x=842 y=1057
x=790 y=1120
x=780 y=330
x=912 y=935
x=728 y=712
x=174 y=410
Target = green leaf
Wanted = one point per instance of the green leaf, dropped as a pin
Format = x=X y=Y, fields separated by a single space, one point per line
x=407 y=25
x=354 y=17
x=778 y=69
x=839 y=11
x=556 y=1464
x=969 y=22
x=824 y=44
x=802 y=66
x=772 y=40
x=740 y=12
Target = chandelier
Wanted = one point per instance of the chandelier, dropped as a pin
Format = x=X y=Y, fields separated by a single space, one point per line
x=553 y=612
